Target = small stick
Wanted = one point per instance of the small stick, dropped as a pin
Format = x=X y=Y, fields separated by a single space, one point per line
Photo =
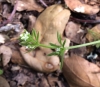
x=13 y=12
x=11 y=16
x=85 y=21
x=43 y=3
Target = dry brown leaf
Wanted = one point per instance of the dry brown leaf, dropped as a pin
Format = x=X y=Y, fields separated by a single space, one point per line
x=51 y=21
x=81 y=73
x=77 y=6
x=72 y=31
x=17 y=58
x=6 y=54
x=3 y=38
x=3 y=82
x=40 y=62
x=94 y=33
x=31 y=24
x=28 y=5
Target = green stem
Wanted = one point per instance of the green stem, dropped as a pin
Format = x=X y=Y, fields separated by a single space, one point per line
x=47 y=46
x=71 y=47
x=83 y=45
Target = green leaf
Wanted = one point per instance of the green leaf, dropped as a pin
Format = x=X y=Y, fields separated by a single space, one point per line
x=62 y=51
x=62 y=60
x=54 y=45
x=59 y=38
x=1 y=72
x=34 y=34
x=97 y=45
x=37 y=37
x=64 y=43
x=53 y=53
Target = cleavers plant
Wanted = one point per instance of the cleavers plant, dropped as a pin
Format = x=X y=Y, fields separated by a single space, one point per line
x=31 y=41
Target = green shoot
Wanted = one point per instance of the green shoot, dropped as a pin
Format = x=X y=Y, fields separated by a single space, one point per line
x=31 y=41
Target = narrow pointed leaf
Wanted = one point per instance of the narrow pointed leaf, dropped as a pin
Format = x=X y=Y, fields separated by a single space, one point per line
x=54 y=45
x=54 y=53
x=59 y=38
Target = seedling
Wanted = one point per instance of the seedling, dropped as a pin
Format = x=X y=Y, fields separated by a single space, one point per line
x=31 y=41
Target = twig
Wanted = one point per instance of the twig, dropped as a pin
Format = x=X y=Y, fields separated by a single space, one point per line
x=84 y=21
x=43 y=3
x=13 y=12
x=11 y=16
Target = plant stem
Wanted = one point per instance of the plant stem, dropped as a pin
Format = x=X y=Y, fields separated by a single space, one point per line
x=46 y=46
x=72 y=47
x=82 y=45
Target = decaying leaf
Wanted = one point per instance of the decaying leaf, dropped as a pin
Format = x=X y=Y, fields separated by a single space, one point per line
x=21 y=79
x=3 y=82
x=11 y=1
x=40 y=62
x=94 y=33
x=77 y=6
x=28 y=5
x=17 y=58
x=81 y=73
x=74 y=32
x=3 y=38
x=6 y=54
x=51 y=21
x=32 y=20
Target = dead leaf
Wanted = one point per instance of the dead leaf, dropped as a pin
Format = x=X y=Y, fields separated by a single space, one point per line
x=6 y=54
x=31 y=24
x=74 y=32
x=21 y=79
x=77 y=6
x=3 y=38
x=17 y=58
x=51 y=21
x=81 y=73
x=3 y=82
x=52 y=80
x=28 y=5
x=44 y=83
x=40 y=62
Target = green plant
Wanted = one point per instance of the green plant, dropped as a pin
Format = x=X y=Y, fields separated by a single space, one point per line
x=1 y=71
x=31 y=41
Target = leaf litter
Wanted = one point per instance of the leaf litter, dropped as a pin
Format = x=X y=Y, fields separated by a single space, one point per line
x=72 y=20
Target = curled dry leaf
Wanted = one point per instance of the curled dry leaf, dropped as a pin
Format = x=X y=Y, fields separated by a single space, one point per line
x=28 y=5
x=3 y=82
x=32 y=20
x=81 y=73
x=17 y=58
x=51 y=21
x=77 y=6
x=40 y=62
x=6 y=54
